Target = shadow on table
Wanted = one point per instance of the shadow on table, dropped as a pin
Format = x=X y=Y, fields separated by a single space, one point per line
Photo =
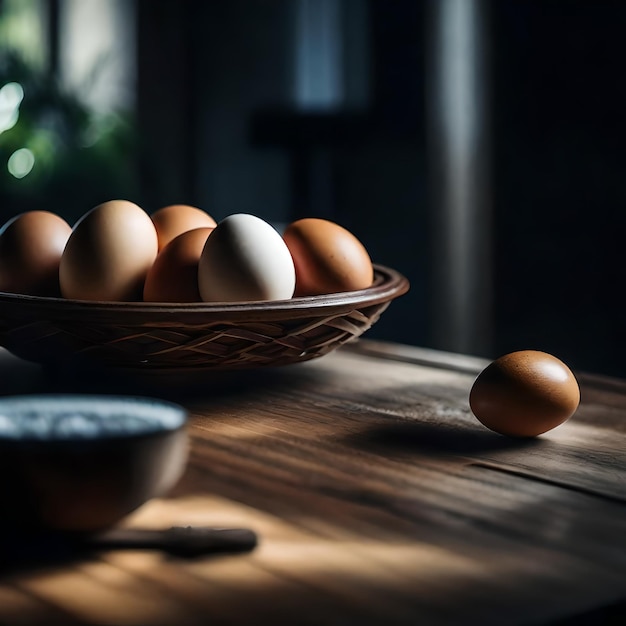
x=19 y=377
x=435 y=439
x=426 y=418
x=26 y=552
x=22 y=552
x=609 y=615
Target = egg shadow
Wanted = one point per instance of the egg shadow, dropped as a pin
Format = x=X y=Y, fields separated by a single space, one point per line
x=435 y=439
x=428 y=419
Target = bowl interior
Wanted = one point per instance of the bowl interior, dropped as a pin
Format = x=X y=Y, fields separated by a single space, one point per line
x=60 y=417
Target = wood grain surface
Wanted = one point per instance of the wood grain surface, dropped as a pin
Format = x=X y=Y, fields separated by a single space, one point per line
x=377 y=498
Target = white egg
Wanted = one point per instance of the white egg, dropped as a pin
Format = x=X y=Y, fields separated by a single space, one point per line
x=245 y=259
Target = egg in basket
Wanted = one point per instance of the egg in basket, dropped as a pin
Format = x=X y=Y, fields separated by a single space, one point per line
x=177 y=291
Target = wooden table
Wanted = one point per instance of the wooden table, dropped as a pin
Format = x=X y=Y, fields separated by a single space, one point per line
x=378 y=499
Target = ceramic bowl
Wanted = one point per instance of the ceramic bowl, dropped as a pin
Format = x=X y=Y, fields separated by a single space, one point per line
x=81 y=463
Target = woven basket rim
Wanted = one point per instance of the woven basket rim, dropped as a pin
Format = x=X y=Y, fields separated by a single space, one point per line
x=144 y=337
x=388 y=284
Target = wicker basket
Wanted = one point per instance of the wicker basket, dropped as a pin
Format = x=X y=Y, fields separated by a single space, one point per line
x=154 y=337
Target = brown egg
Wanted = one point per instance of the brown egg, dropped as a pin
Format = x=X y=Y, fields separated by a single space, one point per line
x=174 y=275
x=524 y=394
x=173 y=220
x=31 y=245
x=327 y=257
x=109 y=253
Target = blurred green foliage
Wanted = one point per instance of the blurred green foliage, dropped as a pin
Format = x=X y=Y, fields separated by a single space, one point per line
x=81 y=157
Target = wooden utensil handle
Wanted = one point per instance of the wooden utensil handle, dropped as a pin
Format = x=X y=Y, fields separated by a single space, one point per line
x=179 y=540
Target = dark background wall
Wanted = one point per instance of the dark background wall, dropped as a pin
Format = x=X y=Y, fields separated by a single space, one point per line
x=255 y=150
x=559 y=178
x=217 y=125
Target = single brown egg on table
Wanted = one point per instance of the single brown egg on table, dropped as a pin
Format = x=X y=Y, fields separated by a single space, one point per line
x=176 y=219
x=109 y=253
x=31 y=246
x=174 y=275
x=524 y=394
x=328 y=258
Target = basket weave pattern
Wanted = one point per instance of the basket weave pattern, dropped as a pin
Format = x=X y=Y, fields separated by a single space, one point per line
x=53 y=331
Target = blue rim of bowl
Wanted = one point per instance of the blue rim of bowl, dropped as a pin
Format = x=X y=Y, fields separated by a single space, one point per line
x=21 y=403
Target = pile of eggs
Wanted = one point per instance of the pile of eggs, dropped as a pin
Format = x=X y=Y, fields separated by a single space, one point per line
x=117 y=252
